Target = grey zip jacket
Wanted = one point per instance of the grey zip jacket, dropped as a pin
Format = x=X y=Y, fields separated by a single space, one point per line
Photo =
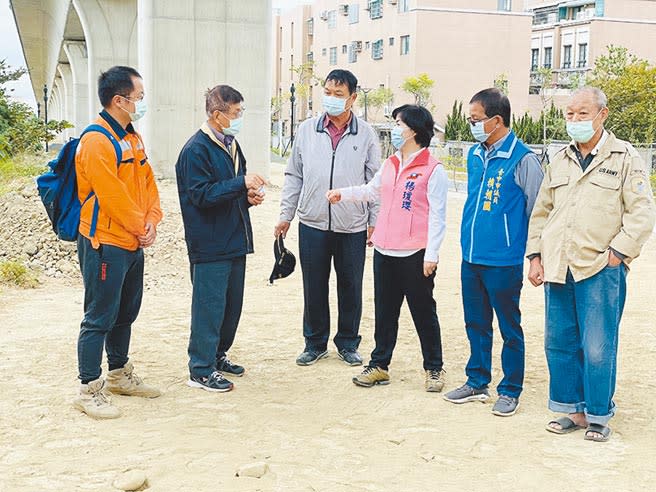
x=314 y=168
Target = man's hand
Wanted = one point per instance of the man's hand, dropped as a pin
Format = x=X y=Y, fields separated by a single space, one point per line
x=255 y=198
x=281 y=228
x=370 y=232
x=148 y=239
x=536 y=272
x=334 y=196
x=429 y=268
x=254 y=181
x=613 y=260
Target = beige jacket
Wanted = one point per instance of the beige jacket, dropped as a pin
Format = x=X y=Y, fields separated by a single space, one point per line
x=579 y=215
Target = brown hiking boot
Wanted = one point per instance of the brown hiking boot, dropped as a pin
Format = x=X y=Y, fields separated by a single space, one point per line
x=124 y=381
x=435 y=380
x=95 y=401
x=372 y=376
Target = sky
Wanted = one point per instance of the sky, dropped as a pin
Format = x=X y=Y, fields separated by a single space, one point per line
x=11 y=51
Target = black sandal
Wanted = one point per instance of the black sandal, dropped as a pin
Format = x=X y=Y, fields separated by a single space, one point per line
x=603 y=430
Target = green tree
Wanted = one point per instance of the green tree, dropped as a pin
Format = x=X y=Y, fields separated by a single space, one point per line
x=378 y=98
x=630 y=85
x=501 y=83
x=419 y=87
x=20 y=129
x=457 y=126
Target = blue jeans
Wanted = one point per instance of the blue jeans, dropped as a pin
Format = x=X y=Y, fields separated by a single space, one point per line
x=113 y=288
x=347 y=251
x=484 y=289
x=580 y=341
x=217 y=299
x=396 y=278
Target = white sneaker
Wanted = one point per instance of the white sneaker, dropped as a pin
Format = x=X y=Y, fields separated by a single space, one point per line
x=124 y=381
x=95 y=401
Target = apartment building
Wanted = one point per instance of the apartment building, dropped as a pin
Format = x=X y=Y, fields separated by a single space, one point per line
x=462 y=46
x=568 y=36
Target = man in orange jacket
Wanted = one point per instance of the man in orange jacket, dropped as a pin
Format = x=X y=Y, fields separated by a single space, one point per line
x=119 y=218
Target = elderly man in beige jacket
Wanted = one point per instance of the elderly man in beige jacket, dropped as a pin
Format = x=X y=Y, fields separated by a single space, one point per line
x=594 y=212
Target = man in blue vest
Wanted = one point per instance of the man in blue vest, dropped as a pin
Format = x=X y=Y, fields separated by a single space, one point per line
x=504 y=178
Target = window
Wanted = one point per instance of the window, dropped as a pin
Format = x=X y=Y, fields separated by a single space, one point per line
x=352 y=53
x=344 y=49
x=535 y=56
x=310 y=57
x=354 y=13
x=375 y=9
x=366 y=45
x=391 y=41
x=310 y=26
x=403 y=5
x=332 y=19
x=323 y=52
x=567 y=56
x=547 y=57
x=377 y=49
x=405 y=45
x=583 y=55
x=505 y=5
x=333 y=56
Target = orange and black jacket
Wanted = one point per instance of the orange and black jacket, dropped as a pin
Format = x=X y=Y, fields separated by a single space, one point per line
x=127 y=193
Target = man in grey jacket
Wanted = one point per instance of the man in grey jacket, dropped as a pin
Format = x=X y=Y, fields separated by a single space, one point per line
x=334 y=150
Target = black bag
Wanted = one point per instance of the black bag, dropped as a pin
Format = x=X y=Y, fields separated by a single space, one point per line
x=285 y=260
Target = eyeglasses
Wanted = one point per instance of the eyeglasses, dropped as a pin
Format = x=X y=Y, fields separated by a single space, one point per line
x=473 y=122
x=233 y=115
x=134 y=99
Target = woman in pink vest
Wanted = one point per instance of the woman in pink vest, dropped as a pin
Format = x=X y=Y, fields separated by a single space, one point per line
x=412 y=188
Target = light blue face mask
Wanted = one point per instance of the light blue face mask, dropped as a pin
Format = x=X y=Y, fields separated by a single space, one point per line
x=139 y=109
x=334 y=106
x=581 y=131
x=235 y=127
x=397 y=137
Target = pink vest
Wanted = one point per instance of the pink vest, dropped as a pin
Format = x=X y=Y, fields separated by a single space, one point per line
x=403 y=217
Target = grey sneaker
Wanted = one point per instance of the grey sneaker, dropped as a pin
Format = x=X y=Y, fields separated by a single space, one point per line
x=466 y=393
x=506 y=406
x=309 y=357
x=350 y=357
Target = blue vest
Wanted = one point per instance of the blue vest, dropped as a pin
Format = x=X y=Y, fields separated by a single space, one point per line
x=494 y=223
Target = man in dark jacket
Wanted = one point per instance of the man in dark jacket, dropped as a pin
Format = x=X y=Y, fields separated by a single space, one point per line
x=215 y=193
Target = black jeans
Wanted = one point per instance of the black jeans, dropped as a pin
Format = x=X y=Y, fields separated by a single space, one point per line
x=347 y=251
x=396 y=278
x=113 y=288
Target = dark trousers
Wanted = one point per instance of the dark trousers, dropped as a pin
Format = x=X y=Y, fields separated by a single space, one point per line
x=347 y=251
x=484 y=289
x=217 y=299
x=396 y=278
x=113 y=288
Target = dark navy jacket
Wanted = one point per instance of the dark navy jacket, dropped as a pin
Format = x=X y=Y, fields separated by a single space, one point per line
x=213 y=200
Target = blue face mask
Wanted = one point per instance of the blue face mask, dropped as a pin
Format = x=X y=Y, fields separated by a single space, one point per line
x=334 y=106
x=478 y=130
x=581 y=131
x=234 y=128
x=397 y=137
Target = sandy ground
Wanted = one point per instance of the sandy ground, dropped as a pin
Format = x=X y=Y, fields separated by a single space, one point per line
x=314 y=428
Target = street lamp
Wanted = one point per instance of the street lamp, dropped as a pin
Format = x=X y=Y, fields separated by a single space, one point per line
x=38 y=110
x=292 y=100
x=45 y=111
x=365 y=91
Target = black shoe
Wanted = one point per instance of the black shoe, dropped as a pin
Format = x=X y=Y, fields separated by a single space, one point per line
x=214 y=382
x=224 y=365
x=309 y=357
x=351 y=357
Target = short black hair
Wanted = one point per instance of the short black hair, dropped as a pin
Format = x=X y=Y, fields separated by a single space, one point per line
x=343 y=77
x=115 y=81
x=495 y=103
x=220 y=97
x=419 y=120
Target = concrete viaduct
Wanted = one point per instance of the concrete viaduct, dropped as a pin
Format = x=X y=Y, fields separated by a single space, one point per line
x=180 y=47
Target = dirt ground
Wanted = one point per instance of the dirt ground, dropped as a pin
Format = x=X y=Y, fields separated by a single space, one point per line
x=311 y=425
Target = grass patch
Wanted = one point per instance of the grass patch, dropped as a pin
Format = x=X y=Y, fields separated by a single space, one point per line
x=18 y=170
x=16 y=273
